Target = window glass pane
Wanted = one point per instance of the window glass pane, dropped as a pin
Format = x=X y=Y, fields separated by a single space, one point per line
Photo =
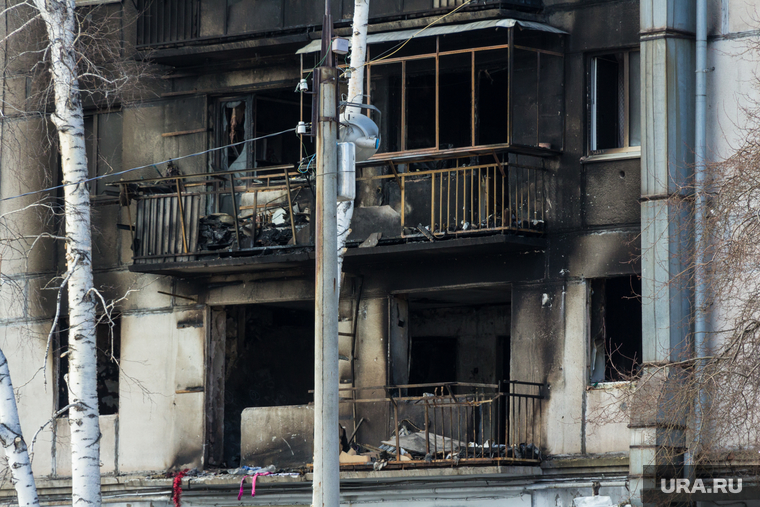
x=455 y=85
x=276 y=110
x=233 y=132
x=491 y=80
x=109 y=147
x=385 y=92
x=607 y=100
x=420 y=104
x=634 y=97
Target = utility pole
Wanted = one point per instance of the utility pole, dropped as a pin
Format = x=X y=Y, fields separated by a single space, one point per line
x=326 y=482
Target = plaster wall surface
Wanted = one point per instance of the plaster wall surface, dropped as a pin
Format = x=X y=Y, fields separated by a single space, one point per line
x=606 y=416
x=549 y=345
x=282 y=436
x=731 y=89
x=161 y=407
x=477 y=331
x=24 y=348
x=370 y=368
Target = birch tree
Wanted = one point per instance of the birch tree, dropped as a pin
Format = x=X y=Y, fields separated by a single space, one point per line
x=61 y=26
x=355 y=94
x=75 y=55
x=13 y=441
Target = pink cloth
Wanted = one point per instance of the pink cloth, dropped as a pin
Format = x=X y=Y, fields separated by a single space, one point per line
x=253 y=483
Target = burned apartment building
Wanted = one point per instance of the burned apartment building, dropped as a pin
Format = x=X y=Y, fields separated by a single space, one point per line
x=491 y=297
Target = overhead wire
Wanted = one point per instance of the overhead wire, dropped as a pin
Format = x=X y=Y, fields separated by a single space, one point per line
x=400 y=46
x=383 y=56
x=154 y=164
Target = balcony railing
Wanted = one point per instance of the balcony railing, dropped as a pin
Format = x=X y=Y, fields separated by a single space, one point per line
x=464 y=199
x=177 y=21
x=167 y=21
x=462 y=423
x=190 y=217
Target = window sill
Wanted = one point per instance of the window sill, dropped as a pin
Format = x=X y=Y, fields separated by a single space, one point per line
x=606 y=157
x=609 y=384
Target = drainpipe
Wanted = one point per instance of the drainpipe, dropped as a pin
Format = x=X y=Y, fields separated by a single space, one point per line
x=700 y=238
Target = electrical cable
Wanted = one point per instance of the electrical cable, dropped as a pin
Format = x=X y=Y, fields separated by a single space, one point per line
x=399 y=46
x=154 y=164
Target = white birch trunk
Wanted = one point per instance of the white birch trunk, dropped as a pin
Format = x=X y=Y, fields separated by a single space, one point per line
x=358 y=56
x=13 y=441
x=355 y=94
x=60 y=21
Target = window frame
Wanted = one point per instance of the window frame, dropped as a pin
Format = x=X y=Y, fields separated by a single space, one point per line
x=592 y=87
x=598 y=290
x=96 y=158
x=108 y=328
x=509 y=47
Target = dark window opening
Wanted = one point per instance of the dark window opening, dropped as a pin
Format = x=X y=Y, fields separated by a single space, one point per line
x=454 y=107
x=432 y=359
x=103 y=143
x=420 y=111
x=269 y=362
x=615 y=328
x=491 y=69
x=385 y=90
x=108 y=353
x=457 y=343
x=615 y=109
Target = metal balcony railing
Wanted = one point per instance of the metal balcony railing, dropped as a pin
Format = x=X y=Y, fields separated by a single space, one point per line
x=465 y=199
x=167 y=21
x=163 y=22
x=465 y=423
x=189 y=217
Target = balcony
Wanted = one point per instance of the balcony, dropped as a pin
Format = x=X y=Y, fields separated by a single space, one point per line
x=431 y=425
x=240 y=220
x=170 y=22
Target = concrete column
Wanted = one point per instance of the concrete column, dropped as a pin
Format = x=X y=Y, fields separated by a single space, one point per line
x=667 y=65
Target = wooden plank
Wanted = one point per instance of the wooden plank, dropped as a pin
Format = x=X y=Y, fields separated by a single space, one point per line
x=184 y=132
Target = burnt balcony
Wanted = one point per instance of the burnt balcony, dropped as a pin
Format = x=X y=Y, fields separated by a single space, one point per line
x=261 y=219
x=429 y=425
x=171 y=22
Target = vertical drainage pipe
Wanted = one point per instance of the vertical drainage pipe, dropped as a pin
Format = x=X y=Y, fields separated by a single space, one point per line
x=700 y=237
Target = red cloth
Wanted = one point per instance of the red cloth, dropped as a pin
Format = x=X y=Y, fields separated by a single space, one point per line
x=177 y=487
x=253 y=484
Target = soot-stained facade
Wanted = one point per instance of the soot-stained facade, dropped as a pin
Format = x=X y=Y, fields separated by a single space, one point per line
x=491 y=279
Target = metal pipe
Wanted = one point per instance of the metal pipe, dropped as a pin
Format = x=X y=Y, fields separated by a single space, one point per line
x=326 y=484
x=700 y=239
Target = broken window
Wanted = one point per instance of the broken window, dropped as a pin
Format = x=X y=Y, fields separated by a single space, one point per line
x=254 y=116
x=102 y=139
x=615 y=328
x=108 y=353
x=614 y=102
